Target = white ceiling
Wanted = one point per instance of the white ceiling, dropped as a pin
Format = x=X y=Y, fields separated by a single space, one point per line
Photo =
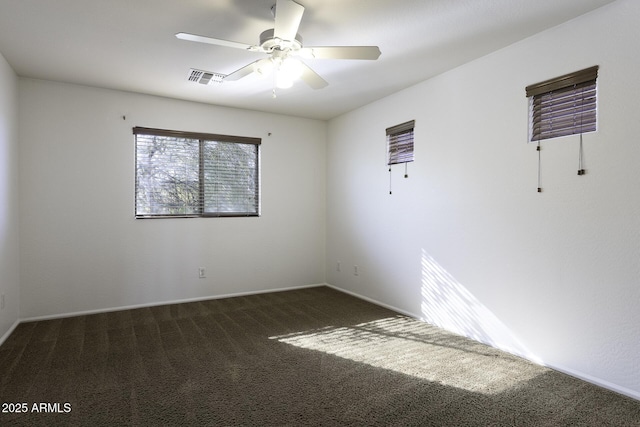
x=130 y=45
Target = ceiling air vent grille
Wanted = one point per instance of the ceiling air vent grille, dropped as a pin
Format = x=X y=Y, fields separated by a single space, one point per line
x=205 y=77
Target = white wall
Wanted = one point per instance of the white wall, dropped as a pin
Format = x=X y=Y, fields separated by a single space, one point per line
x=82 y=249
x=9 y=273
x=466 y=242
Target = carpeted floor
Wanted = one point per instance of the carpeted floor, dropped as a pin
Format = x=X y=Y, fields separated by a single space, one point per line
x=305 y=357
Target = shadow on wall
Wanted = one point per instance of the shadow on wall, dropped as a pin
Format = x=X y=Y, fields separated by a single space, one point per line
x=448 y=304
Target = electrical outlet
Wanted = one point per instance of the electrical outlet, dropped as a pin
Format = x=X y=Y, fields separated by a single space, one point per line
x=202 y=273
x=338 y=266
x=2 y=302
x=356 y=270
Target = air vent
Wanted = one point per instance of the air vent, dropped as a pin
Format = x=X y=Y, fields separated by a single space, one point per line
x=205 y=77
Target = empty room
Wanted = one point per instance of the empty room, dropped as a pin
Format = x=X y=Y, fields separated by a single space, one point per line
x=319 y=212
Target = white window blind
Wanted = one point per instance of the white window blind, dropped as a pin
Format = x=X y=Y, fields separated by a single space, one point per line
x=182 y=174
x=562 y=106
x=400 y=143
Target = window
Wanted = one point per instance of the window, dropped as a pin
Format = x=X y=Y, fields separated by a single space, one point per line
x=563 y=106
x=400 y=143
x=183 y=174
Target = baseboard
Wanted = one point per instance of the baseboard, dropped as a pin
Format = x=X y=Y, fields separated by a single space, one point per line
x=373 y=301
x=11 y=329
x=158 y=303
x=596 y=381
x=576 y=374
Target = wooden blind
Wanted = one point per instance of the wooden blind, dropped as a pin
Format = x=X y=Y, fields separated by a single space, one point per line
x=562 y=106
x=400 y=143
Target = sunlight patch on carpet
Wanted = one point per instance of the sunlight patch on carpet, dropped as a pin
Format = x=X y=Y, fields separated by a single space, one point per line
x=415 y=348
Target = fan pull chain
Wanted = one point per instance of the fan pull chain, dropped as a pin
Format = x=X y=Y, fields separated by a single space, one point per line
x=539 y=169
x=273 y=91
x=390 y=192
x=406 y=175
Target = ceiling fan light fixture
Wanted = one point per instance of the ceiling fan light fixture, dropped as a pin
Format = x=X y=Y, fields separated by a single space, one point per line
x=282 y=82
x=289 y=70
x=292 y=68
x=264 y=67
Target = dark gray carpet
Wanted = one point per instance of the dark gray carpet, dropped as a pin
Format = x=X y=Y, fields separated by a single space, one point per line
x=306 y=357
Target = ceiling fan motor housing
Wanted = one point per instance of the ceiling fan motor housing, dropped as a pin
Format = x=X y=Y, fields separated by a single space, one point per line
x=268 y=42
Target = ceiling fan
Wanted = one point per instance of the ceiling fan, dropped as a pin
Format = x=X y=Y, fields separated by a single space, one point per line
x=283 y=44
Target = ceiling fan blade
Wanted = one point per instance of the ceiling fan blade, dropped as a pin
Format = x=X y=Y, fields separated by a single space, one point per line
x=218 y=42
x=312 y=78
x=288 y=17
x=340 y=52
x=242 y=72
